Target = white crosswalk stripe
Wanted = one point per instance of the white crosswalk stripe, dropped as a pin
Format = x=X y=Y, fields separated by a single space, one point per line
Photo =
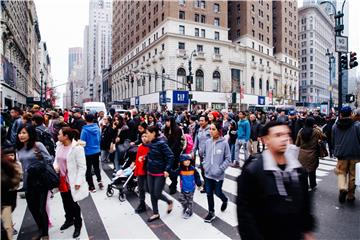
x=120 y=221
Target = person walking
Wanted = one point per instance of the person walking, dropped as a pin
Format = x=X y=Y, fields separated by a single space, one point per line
x=159 y=163
x=346 y=141
x=174 y=137
x=90 y=134
x=201 y=137
x=255 y=128
x=77 y=121
x=243 y=137
x=273 y=200
x=70 y=163
x=15 y=114
x=217 y=158
x=29 y=152
x=107 y=134
x=327 y=130
x=308 y=140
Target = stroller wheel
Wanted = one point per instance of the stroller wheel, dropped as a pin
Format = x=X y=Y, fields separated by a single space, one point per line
x=122 y=197
x=110 y=191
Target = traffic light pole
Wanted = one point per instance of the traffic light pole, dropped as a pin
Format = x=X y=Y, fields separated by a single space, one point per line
x=340 y=99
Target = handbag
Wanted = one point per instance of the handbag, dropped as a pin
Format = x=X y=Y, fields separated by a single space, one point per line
x=323 y=152
x=48 y=176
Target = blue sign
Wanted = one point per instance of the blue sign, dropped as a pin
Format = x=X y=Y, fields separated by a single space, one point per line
x=180 y=97
x=137 y=101
x=162 y=98
x=261 y=100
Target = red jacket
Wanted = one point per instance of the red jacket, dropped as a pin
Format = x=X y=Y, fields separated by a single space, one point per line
x=140 y=160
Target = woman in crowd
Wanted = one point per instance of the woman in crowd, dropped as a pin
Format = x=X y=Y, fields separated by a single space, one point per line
x=141 y=131
x=174 y=134
x=30 y=151
x=217 y=158
x=70 y=163
x=159 y=162
x=308 y=140
x=107 y=134
x=122 y=141
x=232 y=137
x=26 y=118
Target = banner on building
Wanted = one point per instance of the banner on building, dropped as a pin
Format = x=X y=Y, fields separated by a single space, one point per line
x=180 y=97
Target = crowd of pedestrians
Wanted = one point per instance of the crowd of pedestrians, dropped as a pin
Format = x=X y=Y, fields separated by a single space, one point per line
x=280 y=152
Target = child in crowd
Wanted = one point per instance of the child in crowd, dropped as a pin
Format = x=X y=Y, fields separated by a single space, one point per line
x=189 y=177
x=140 y=172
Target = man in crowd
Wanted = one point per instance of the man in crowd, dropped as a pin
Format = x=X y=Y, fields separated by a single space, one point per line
x=255 y=128
x=16 y=125
x=243 y=137
x=78 y=122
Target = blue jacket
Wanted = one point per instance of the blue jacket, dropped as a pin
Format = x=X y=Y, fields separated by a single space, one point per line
x=189 y=176
x=91 y=135
x=160 y=158
x=243 y=131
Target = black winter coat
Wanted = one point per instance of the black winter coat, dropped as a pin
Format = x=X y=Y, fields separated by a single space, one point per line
x=263 y=213
x=160 y=157
x=107 y=135
x=174 y=141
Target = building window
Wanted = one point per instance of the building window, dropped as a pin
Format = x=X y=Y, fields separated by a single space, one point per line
x=199 y=48
x=203 y=4
x=216 y=81
x=217 y=36
x=203 y=19
x=181 y=2
x=199 y=80
x=181 y=77
x=163 y=46
x=238 y=33
x=181 y=45
x=181 y=14
x=252 y=7
x=252 y=85
x=182 y=29
x=196 y=32
x=216 y=50
x=253 y=20
x=203 y=33
x=197 y=19
x=238 y=20
x=216 y=21
x=216 y=7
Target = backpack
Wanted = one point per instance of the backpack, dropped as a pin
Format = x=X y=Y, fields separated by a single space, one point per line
x=45 y=138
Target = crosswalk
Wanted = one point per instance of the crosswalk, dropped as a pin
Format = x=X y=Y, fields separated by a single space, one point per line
x=108 y=218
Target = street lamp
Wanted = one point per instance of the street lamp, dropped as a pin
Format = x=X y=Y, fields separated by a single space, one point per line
x=41 y=87
x=339 y=27
x=331 y=59
x=190 y=77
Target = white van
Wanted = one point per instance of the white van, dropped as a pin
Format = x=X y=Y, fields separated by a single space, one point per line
x=95 y=107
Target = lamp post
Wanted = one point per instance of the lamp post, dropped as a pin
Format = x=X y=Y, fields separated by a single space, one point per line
x=41 y=87
x=190 y=77
x=331 y=59
x=339 y=27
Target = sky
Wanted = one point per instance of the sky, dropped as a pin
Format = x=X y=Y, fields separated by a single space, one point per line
x=62 y=24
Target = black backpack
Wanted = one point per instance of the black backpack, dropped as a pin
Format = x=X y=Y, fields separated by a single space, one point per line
x=45 y=138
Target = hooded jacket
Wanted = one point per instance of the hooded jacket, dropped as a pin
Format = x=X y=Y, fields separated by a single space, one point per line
x=160 y=157
x=243 y=131
x=91 y=135
x=200 y=139
x=217 y=158
x=346 y=139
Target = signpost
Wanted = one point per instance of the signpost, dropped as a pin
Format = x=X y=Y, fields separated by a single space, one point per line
x=341 y=44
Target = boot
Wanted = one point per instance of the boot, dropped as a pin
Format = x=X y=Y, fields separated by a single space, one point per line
x=141 y=208
x=77 y=231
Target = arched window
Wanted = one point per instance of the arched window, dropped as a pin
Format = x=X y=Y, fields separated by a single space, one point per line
x=285 y=90
x=260 y=87
x=163 y=79
x=181 y=77
x=216 y=81
x=267 y=85
x=252 y=85
x=199 y=81
x=290 y=92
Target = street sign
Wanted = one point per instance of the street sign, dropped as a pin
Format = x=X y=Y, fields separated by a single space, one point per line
x=137 y=101
x=162 y=98
x=341 y=44
x=180 y=97
x=261 y=100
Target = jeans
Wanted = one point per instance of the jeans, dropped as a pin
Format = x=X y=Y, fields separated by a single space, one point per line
x=71 y=208
x=344 y=168
x=212 y=186
x=232 y=151
x=142 y=186
x=36 y=201
x=105 y=155
x=92 y=161
x=241 y=143
x=156 y=185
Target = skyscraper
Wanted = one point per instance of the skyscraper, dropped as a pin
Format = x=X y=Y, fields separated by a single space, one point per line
x=75 y=57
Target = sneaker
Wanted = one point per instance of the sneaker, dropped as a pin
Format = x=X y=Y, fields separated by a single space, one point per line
x=92 y=190
x=224 y=206
x=342 y=196
x=66 y=225
x=203 y=190
x=235 y=165
x=170 y=206
x=209 y=218
x=101 y=185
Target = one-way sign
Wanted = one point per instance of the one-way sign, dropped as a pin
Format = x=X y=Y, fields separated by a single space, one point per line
x=341 y=44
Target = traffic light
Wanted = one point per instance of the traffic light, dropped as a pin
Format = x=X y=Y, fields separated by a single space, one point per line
x=344 y=61
x=189 y=81
x=353 y=63
x=233 y=97
x=349 y=98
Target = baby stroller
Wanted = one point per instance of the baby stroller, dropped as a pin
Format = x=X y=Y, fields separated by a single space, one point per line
x=127 y=181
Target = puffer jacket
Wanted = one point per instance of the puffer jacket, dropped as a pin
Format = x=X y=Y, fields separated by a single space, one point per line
x=217 y=158
x=346 y=139
x=160 y=157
